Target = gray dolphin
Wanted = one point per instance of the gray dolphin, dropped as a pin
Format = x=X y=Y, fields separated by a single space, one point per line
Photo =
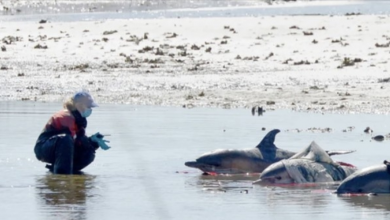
x=312 y=165
x=242 y=161
x=373 y=179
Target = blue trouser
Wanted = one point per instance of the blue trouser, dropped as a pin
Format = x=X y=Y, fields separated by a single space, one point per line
x=61 y=152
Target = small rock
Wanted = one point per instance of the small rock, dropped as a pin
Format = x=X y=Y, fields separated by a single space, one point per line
x=109 y=32
x=294 y=27
x=352 y=14
x=306 y=33
x=368 y=130
x=159 y=52
x=269 y=55
x=172 y=36
x=382 y=45
x=43 y=21
x=194 y=47
x=302 y=62
x=38 y=46
x=379 y=138
x=11 y=39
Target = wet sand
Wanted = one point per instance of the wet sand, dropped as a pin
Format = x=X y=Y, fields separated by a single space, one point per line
x=315 y=63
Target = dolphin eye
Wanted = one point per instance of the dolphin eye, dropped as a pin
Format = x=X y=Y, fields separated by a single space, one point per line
x=278 y=178
x=360 y=190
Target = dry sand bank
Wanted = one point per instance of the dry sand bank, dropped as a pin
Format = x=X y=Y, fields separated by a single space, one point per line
x=324 y=63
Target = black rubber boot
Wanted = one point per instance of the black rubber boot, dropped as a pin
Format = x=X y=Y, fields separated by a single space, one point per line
x=50 y=167
x=83 y=156
x=63 y=161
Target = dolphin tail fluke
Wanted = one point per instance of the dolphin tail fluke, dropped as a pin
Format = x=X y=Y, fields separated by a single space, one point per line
x=269 y=139
x=339 y=152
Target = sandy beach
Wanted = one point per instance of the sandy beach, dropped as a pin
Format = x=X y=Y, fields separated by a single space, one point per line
x=315 y=63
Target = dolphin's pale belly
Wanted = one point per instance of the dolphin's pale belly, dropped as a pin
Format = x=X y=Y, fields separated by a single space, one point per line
x=233 y=161
x=305 y=171
x=311 y=165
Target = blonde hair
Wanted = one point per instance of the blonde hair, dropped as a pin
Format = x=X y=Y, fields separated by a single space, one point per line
x=69 y=104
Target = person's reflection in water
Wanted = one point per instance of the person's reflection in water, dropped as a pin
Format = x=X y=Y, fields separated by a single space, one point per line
x=64 y=196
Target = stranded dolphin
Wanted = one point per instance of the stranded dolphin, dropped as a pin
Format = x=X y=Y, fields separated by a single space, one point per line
x=311 y=165
x=242 y=161
x=253 y=160
x=374 y=179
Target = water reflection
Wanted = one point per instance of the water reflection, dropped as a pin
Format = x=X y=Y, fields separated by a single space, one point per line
x=368 y=201
x=223 y=183
x=64 y=196
x=298 y=197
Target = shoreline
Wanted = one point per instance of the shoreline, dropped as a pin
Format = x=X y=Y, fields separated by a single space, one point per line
x=122 y=9
x=306 y=63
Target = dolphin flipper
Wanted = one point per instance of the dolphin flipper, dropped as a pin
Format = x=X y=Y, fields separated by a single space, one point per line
x=339 y=152
x=268 y=140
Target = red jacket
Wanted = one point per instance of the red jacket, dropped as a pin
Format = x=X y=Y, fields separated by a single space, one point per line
x=61 y=122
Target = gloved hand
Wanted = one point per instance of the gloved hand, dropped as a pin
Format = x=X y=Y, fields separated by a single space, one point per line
x=98 y=138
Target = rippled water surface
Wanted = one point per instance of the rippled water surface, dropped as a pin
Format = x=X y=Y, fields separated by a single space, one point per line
x=143 y=175
x=188 y=9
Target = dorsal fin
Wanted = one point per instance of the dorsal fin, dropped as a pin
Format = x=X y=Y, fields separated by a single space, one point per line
x=268 y=140
x=313 y=152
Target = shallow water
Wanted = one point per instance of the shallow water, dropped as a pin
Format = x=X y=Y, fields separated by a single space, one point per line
x=143 y=175
x=191 y=9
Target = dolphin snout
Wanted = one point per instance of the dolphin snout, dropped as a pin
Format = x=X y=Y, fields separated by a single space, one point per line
x=257 y=181
x=192 y=164
x=268 y=180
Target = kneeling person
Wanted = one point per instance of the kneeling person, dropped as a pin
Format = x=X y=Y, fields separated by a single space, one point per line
x=63 y=142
